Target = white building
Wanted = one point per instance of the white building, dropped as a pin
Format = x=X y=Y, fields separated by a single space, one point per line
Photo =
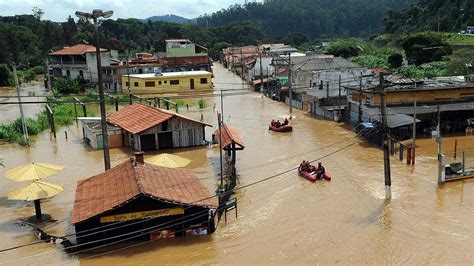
x=79 y=61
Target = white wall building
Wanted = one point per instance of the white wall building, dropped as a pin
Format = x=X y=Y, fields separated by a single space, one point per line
x=79 y=61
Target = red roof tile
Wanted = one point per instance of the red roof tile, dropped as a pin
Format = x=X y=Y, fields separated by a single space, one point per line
x=127 y=180
x=140 y=117
x=78 y=49
x=229 y=135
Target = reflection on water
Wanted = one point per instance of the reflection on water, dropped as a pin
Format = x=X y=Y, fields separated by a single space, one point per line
x=286 y=219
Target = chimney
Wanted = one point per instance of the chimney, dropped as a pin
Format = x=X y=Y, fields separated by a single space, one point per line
x=139 y=157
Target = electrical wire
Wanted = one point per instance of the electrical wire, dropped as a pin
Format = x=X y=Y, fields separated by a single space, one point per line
x=228 y=192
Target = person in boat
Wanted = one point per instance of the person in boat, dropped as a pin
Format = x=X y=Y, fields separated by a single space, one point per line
x=320 y=171
x=305 y=166
x=286 y=122
x=278 y=123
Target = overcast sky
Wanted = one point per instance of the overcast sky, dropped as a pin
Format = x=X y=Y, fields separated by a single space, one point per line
x=59 y=10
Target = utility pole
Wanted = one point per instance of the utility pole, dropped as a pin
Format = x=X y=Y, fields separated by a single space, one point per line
x=128 y=78
x=360 y=99
x=97 y=13
x=219 y=121
x=438 y=129
x=414 y=133
x=386 y=155
x=290 y=85
x=261 y=72
x=242 y=65
x=23 y=123
x=222 y=105
x=48 y=76
x=339 y=101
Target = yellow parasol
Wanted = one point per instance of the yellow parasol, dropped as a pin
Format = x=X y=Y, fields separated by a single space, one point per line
x=32 y=171
x=168 y=160
x=35 y=191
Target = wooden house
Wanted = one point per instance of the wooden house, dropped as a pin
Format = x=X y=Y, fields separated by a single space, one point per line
x=135 y=200
x=146 y=128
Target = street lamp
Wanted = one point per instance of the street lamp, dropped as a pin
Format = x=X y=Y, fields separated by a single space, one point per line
x=97 y=13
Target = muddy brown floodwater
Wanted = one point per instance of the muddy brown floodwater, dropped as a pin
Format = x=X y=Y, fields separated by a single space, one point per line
x=286 y=220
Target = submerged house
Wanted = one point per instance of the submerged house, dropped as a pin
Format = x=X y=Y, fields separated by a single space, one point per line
x=139 y=201
x=148 y=128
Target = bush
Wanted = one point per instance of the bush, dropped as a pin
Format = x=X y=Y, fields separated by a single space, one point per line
x=346 y=48
x=395 y=60
x=4 y=75
x=202 y=103
x=66 y=85
x=461 y=63
x=424 y=48
x=38 y=70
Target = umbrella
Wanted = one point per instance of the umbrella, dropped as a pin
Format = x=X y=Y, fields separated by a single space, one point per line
x=35 y=191
x=168 y=160
x=32 y=171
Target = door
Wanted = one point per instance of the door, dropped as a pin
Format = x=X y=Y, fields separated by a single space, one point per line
x=165 y=140
x=148 y=142
x=191 y=81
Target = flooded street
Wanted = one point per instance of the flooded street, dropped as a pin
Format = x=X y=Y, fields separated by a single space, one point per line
x=285 y=220
x=9 y=112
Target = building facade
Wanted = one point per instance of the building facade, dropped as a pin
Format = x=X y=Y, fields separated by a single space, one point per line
x=159 y=82
x=79 y=62
x=134 y=200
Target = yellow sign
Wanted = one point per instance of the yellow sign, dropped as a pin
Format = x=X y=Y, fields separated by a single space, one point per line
x=141 y=215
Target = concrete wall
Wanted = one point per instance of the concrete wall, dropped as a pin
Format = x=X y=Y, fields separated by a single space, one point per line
x=407 y=97
x=184 y=83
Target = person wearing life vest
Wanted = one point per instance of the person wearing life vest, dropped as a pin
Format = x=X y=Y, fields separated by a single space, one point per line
x=320 y=171
x=286 y=122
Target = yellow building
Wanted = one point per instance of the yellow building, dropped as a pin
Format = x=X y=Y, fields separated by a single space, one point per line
x=171 y=81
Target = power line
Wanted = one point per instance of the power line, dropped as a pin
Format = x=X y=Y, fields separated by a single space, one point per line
x=228 y=192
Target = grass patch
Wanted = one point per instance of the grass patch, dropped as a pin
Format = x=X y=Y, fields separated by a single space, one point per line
x=202 y=103
x=63 y=116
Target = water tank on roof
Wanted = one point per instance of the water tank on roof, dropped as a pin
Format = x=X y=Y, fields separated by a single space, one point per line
x=157 y=71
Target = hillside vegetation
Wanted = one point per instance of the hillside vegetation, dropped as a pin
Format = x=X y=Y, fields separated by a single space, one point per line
x=314 y=18
x=431 y=15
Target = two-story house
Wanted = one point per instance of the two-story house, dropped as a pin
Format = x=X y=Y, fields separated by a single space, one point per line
x=79 y=61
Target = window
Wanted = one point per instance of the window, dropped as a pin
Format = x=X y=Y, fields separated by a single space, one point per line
x=149 y=84
x=159 y=82
x=68 y=73
x=127 y=84
x=135 y=84
x=174 y=82
x=166 y=81
x=203 y=80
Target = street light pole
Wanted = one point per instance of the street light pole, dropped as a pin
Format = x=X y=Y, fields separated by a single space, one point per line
x=96 y=13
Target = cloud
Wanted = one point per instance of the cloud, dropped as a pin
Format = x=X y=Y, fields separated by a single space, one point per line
x=60 y=10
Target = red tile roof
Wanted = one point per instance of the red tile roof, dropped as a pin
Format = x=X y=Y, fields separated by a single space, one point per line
x=229 y=135
x=137 y=118
x=78 y=49
x=115 y=187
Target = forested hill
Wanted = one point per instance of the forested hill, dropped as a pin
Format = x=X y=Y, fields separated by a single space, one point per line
x=314 y=18
x=424 y=15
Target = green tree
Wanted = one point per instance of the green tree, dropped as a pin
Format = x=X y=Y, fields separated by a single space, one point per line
x=395 y=60
x=4 y=75
x=65 y=85
x=425 y=48
x=346 y=48
x=461 y=63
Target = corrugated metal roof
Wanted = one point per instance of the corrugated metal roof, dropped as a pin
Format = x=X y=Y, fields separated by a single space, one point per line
x=316 y=63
